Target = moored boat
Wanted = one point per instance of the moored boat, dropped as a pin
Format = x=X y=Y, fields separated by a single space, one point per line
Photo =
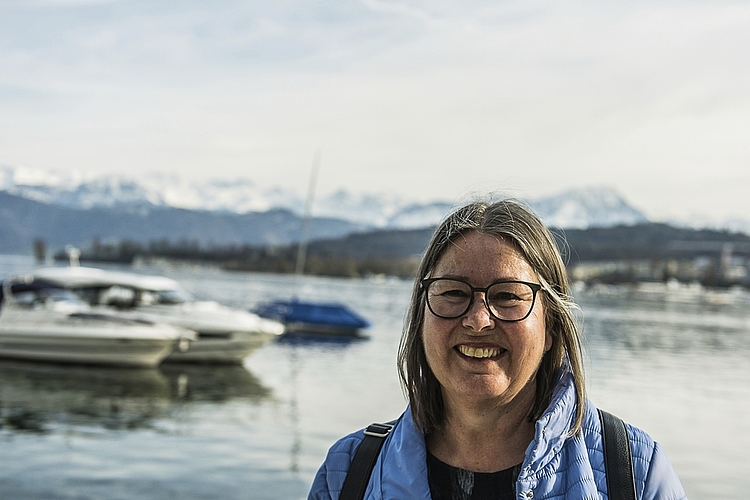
x=327 y=318
x=224 y=334
x=308 y=316
x=41 y=321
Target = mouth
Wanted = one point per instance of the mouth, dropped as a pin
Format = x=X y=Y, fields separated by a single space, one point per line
x=480 y=352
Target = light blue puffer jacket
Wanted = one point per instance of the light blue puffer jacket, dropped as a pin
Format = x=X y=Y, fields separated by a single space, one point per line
x=556 y=467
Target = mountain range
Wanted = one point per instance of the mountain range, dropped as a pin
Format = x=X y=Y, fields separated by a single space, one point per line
x=578 y=208
x=73 y=209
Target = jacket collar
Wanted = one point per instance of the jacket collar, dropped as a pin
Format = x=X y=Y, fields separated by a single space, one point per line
x=552 y=428
x=401 y=469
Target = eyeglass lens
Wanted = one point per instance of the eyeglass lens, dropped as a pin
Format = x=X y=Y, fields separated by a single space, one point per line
x=509 y=301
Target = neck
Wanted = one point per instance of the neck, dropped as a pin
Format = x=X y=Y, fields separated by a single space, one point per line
x=484 y=437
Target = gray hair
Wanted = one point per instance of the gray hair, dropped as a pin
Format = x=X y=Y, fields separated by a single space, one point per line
x=507 y=219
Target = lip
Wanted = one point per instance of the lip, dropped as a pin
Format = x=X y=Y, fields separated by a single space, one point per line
x=480 y=352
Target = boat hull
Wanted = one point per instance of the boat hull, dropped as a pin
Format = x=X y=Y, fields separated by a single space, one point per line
x=221 y=348
x=71 y=348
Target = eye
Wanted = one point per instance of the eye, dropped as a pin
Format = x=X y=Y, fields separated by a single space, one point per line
x=509 y=294
x=450 y=290
x=503 y=296
x=453 y=292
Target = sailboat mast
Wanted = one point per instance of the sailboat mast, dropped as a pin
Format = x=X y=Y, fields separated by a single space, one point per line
x=299 y=269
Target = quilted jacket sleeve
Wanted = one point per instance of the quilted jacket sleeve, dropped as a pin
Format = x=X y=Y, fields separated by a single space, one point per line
x=330 y=476
x=653 y=470
x=662 y=482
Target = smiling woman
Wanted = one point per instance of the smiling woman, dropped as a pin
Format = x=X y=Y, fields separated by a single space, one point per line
x=491 y=361
x=455 y=350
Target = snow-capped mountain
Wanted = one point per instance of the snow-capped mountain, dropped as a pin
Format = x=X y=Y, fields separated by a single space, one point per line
x=416 y=216
x=75 y=190
x=583 y=208
x=572 y=209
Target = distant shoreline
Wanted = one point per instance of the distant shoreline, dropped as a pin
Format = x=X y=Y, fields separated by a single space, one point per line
x=622 y=254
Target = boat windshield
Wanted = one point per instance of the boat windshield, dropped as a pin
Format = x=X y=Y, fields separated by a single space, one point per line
x=171 y=296
x=126 y=297
x=49 y=296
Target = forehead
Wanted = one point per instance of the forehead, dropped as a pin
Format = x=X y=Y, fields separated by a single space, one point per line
x=482 y=258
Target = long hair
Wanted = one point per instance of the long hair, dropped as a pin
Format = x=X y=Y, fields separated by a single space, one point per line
x=508 y=219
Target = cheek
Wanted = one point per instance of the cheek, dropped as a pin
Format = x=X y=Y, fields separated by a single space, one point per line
x=435 y=341
x=430 y=336
x=535 y=337
x=435 y=329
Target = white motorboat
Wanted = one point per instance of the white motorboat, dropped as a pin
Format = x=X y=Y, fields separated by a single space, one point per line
x=225 y=335
x=43 y=322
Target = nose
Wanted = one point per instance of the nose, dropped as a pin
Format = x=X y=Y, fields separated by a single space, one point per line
x=478 y=317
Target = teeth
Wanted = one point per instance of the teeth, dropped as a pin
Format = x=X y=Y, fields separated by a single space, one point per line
x=478 y=352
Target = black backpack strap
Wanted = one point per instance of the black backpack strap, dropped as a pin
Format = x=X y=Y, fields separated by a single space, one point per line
x=364 y=460
x=618 y=458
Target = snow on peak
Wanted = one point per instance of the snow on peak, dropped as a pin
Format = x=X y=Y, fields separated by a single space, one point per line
x=365 y=208
x=587 y=207
x=579 y=208
x=235 y=195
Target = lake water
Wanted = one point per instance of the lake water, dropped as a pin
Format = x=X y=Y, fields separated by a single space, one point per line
x=675 y=364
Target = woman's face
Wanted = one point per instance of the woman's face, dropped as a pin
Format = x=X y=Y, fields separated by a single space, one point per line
x=455 y=348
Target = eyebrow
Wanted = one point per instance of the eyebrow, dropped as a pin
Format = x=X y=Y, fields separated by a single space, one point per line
x=467 y=280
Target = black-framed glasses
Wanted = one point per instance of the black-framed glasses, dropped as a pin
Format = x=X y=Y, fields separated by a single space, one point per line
x=505 y=300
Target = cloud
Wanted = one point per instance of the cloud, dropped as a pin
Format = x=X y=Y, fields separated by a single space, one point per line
x=424 y=98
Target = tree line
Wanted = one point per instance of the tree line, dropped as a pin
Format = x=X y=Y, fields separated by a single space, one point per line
x=251 y=258
x=615 y=254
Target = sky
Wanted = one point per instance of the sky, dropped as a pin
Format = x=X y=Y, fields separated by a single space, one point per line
x=430 y=100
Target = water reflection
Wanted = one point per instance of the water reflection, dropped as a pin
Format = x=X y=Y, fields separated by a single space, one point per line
x=669 y=296
x=213 y=383
x=637 y=321
x=321 y=340
x=43 y=398
x=299 y=346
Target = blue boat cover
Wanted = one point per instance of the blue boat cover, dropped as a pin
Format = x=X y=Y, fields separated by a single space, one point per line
x=330 y=314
